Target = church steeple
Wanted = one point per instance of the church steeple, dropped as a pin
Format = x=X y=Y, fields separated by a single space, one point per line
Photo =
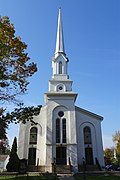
x=60 y=85
x=59 y=38
x=60 y=61
x=60 y=81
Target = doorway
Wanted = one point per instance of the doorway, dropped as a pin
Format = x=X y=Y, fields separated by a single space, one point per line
x=89 y=156
x=61 y=155
x=32 y=156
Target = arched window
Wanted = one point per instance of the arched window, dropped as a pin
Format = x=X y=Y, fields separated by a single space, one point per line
x=87 y=135
x=64 y=130
x=33 y=135
x=57 y=130
x=60 y=67
x=60 y=129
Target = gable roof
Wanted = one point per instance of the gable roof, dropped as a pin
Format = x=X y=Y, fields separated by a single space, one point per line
x=86 y=112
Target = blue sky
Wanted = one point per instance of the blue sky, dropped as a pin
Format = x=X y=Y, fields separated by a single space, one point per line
x=92 y=44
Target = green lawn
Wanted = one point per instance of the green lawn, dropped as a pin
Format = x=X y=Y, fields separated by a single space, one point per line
x=27 y=178
x=98 y=178
x=53 y=178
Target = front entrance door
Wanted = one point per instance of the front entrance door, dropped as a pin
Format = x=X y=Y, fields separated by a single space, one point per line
x=89 y=156
x=61 y=155
x=32 y=156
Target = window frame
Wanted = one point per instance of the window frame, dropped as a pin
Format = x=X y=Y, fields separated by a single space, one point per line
x=33 y=135
x=61 y=130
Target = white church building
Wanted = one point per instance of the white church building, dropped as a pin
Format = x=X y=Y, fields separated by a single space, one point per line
x=63 y=133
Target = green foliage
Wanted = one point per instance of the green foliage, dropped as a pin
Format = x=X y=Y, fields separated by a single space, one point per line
x=109 y=155
x=3 y=135
x=3 y=126
x=14 y=69
x=4 y=146
x=118 y=152
x=116 y=136
x=116 y=139
x=22 y=114
x=13 y=164
x=14 y=73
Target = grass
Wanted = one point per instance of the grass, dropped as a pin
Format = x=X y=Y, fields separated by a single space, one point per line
x=98 y=178
x=27 y=178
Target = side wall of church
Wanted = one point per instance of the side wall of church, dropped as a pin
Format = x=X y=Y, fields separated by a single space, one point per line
x=83 y=121
x=41 y=137
x=24 y=138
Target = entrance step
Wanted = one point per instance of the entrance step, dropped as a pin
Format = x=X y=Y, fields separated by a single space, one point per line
x=89 y=168
x=65 y=176
x=63 y=169
x=36 y=168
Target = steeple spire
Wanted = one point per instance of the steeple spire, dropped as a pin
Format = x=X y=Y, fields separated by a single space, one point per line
x=59 y=39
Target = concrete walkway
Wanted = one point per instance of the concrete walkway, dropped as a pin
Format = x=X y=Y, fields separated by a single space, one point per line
x=65 y=177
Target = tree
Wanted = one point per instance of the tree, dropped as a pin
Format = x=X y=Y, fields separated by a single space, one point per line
x=14 y=69
x=13 y=164
x=22 y=114
x=116 y=136
x=116 y=139
x=3 y=134
x=14 y=73
x=109 y=155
